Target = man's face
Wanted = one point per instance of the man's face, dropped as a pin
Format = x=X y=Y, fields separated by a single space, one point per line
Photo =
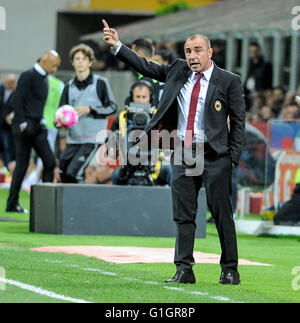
x=141 y=94
x=81 y=63
x=10 y=83
x=290 y=111
x=254 y=52
x=266 y=112
x=51 y=64
x=197 y=54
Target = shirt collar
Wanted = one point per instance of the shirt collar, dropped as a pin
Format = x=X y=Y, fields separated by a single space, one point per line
x=207 y=74
x=39 y=69
x=84 y=83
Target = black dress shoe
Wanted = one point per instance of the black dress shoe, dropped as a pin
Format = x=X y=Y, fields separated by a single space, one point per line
x=186 y=277
x=230 y=278
x=183 y=277
x=16 y=209
x=173 y=279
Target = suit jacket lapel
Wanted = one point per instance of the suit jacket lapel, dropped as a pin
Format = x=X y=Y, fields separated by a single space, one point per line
x=184 y=76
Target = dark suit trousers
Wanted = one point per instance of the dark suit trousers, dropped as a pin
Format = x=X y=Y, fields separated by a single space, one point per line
x=216 y=178
x=34 y=136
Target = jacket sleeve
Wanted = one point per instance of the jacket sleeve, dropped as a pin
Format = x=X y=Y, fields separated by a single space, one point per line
x=142 y=65
x=237 y=116
x=106 y=96
x=20 y=95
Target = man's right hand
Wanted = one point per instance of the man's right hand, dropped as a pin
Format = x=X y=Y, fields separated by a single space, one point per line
x=23 y=126
x=58 y=126
x=110 y=35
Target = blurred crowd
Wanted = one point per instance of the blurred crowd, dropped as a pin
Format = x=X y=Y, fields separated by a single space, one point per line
x=263 y=103
x=106 y=61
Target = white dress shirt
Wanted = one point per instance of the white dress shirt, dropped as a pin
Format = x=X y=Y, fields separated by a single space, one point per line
x=184 y=98
x=39 y=69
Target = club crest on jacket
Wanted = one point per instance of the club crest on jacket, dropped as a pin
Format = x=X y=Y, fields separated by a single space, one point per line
x=218 y=105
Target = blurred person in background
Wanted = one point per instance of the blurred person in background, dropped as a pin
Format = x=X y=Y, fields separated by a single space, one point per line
x=258 y=101
x=141 y=92
x=259 y=75
x=219 y=54
x=165 y=56
x=268 y=95
x=167 y=44
x=289 y=98
x=93 y=100
x=98 y=174
x=7 y=88
x=254 y=117
x=55 y=89
x=105 y=60
x=289 y=212
x=6 y=114
x=289 y=112
x=145 y=48
x=29 y=126
x=278 y=98
x=266 y=113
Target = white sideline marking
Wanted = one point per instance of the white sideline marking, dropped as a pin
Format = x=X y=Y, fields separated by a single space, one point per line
x=41 y=291
x=93 y=269
x=172 y=288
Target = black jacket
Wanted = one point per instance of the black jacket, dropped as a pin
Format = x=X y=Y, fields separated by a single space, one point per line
x=261 y=71
x=223 y=86
x=30 y=96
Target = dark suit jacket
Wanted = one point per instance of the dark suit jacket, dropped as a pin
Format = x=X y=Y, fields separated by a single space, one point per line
x=262 y=73
x=5 y=109
x=223 y=86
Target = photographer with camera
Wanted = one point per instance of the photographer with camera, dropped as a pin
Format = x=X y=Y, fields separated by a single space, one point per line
x=137 y=113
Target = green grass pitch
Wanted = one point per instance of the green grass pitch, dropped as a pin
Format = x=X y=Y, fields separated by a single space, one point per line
x=57 y=277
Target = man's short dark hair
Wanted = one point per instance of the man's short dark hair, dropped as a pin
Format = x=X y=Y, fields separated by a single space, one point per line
x=255 y=44
x=206 y=39
x=144 y=44
x=166 y=54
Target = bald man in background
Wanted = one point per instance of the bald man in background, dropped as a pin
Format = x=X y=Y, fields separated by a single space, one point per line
x=6 y=138
x=28 y=125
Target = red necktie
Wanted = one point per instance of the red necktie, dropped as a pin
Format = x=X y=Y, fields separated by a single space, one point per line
x=189 y=132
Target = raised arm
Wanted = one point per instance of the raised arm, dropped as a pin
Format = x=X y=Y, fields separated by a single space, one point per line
x=138 y=63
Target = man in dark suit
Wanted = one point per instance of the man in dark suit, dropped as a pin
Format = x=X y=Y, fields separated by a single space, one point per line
x=197 y=100
x=259 y=75
x=28 y=125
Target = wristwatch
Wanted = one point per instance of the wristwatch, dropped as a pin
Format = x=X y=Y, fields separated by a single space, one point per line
x=116 y=46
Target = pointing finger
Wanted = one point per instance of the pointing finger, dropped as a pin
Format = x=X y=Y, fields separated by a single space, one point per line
x=105 y=23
